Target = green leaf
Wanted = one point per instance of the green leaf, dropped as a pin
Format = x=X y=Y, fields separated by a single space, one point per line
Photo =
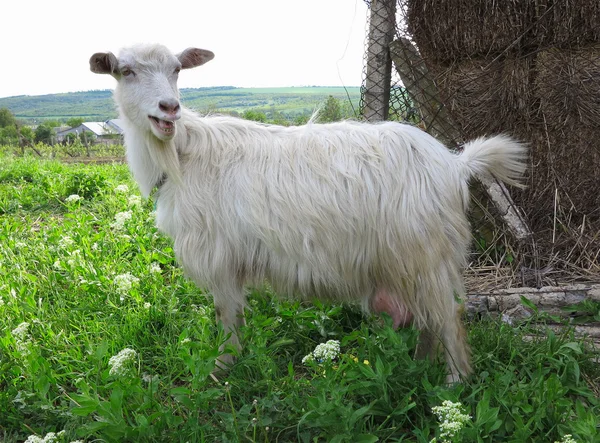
x=365 y=438
x=528 y=304
x=282 y=342
x=358 y=414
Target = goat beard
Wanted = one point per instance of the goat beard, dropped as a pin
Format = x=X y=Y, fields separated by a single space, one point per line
x=164 y=154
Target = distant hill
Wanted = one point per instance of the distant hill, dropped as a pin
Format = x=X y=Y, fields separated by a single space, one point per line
x=99 y=105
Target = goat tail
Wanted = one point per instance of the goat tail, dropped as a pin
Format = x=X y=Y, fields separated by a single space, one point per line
x=500 y=156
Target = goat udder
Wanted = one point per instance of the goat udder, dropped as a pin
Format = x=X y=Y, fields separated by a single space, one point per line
x=384 y=301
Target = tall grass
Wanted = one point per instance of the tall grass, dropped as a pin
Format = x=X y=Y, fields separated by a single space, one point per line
x=83 y=279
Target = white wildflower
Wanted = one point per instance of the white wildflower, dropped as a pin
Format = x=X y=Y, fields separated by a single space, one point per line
x=50 y=437
x=124 y=282
x=202 y=310
x=567 y=438
x=120 y=219
x=122 y=189
x=73 y=198
x=57 y=264
x=13 y=293
x=135 y=200
x=21 y=331
x=155 y=268
x=147 y=305
x=119 y=364
x=65 y=241
x=74 y=258
x=452 y=419
x=147 y=378
x=324 y=352
x=95 y=247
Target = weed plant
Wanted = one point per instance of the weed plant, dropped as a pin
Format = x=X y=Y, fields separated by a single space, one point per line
x=102 y=338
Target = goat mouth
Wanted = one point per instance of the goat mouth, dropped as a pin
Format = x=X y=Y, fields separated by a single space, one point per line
x=165 y=127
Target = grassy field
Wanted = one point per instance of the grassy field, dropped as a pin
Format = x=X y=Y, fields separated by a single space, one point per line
x=103 y=339
x=99 y=105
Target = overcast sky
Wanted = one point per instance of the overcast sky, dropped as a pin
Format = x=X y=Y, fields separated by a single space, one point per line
x=46 y=45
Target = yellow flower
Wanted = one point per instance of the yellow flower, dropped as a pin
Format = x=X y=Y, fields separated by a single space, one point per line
x=366 y=362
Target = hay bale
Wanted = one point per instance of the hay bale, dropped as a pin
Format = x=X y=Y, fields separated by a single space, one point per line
x=487 y=97
x=568 y=85
x=568 y=22
x=530 y=68
x=566 y=146
x=452 y=30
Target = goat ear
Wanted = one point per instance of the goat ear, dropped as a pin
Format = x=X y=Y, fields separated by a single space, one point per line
x=192 y=57
x=104 y=63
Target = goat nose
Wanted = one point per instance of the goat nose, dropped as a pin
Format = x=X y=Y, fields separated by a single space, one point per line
x=169 y=106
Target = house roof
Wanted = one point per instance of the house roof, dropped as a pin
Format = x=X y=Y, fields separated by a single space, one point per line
x=100 y=129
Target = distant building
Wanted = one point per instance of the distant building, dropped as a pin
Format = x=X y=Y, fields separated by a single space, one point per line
x=105 y=132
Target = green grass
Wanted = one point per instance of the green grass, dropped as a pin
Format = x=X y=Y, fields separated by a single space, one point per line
x=60 y=264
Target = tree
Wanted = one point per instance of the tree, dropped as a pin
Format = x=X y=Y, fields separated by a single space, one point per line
x=9 y=135
x=331 y=111
x=75 y=121
x=44 y=134
x=256 y=116
x=52 y=123
x=7 y=118
x=301 y=119
x=27 y=135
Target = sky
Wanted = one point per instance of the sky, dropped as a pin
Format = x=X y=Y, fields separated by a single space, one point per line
x=46 y=45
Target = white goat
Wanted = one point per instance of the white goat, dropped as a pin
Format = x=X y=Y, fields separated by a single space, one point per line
x=348 y=212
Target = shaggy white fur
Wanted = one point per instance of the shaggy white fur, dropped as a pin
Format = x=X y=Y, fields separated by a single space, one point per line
x=342 y=211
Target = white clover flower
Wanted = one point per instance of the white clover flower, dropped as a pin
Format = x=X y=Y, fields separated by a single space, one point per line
x=451 y=418
x=120 y=219
x=147 y=305
x=122 y=189
x=124 y=282
x=324 y=352
x=135 y=200
x=119 y=364
x=73 y=198
x=567 y=438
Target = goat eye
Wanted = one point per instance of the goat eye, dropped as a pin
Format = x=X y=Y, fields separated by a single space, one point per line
x=177 y=70
x=127 y=72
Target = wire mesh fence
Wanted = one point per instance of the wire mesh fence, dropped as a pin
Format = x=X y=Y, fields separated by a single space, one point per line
x=460 y=69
